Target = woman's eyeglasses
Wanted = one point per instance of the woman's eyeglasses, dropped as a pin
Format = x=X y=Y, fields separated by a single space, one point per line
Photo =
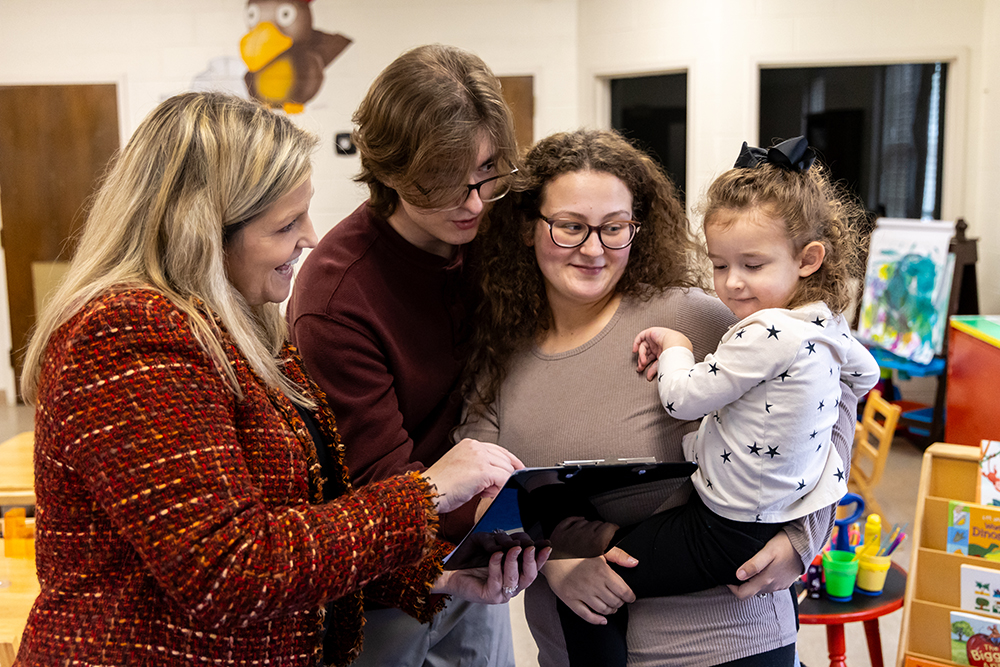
x=613 y=235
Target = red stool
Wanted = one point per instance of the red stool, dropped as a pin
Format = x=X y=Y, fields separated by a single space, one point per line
x=865 y=608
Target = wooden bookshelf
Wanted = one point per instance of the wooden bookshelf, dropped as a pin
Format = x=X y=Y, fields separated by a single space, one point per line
x=948 y=472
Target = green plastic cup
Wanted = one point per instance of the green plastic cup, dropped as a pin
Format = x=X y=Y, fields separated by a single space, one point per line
x=840 y=570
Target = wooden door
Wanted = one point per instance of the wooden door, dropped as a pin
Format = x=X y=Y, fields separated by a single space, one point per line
x=519 y=93
x=55 y=143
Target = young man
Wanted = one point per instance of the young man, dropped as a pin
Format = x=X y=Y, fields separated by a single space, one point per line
x=379 y=311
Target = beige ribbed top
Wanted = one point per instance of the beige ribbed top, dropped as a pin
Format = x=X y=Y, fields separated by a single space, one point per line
x=590 y=403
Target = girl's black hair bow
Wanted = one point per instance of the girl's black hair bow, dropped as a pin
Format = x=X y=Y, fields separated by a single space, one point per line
x=791 y=154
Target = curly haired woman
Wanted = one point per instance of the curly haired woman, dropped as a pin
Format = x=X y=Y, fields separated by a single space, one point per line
x=594 y=248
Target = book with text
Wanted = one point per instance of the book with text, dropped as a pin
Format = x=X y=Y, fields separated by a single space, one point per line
x=975 y=640
x=974 y=530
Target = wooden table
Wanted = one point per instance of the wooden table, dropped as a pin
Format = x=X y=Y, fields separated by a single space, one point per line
x=17 y=479
x=18 y=590
x=865 y=608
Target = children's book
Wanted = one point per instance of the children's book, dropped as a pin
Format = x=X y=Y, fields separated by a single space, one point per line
x=912 y=661
x=975 y=640
x=980 y=589
x=989 y=473
x=974 y=530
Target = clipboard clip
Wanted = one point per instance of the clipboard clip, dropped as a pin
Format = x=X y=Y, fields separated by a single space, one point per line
x=597 y=462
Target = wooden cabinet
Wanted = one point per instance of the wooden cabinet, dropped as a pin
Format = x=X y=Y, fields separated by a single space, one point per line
x=949 y=472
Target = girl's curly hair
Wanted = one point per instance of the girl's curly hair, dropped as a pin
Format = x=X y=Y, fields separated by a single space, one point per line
x=812 y=208
x=513 y=307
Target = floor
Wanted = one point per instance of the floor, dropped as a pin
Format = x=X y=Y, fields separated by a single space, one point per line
x=14 y=420
x=897 y=493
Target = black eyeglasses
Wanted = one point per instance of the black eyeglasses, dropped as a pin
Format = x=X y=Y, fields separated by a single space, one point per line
x=492 y=191
x=489 y=190
x=613 y=235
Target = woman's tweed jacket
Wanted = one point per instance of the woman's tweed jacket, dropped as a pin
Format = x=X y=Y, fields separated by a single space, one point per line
x=177 y=525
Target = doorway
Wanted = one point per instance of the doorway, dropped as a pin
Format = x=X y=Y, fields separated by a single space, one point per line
x=519 y=93
x=55 y=143
x=651 y=111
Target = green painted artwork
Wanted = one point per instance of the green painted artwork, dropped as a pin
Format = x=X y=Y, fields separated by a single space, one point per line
x=904 y=305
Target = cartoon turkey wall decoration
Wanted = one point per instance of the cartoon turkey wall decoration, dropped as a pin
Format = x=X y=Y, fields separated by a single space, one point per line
x=285 y=55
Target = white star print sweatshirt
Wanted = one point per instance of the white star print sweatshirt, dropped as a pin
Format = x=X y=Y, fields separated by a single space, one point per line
x=769 y=398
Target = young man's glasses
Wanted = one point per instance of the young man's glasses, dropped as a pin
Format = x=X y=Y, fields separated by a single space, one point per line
x=613 y=235
x=489 y=190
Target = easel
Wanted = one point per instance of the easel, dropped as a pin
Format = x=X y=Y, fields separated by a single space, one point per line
x=964 y=300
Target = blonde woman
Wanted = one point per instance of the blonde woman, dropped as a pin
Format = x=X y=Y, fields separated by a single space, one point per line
x=180 y=502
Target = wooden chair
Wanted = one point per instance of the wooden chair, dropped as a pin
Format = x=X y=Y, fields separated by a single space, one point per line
x=872 y=441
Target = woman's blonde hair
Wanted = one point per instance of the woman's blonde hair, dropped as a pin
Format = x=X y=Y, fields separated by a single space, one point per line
x=419 y=127
x=198 y=164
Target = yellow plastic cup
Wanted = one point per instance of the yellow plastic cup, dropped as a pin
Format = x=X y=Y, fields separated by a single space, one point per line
x=840 y=570
x=872 y=571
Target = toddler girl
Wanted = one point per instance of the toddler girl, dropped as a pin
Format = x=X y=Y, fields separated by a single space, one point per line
x=777 y=235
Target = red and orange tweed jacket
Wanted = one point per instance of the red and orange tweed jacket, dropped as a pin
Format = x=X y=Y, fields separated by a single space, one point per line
x=177 y=525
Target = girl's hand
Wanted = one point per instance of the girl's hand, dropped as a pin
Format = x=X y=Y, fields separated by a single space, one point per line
x=647 y=346
x=496 y=583
x=650 y=344
x=773 y=568
x=648 y=361
x=589 y=586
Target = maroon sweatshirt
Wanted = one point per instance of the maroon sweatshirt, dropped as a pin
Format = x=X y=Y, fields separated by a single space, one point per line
x=380 y=324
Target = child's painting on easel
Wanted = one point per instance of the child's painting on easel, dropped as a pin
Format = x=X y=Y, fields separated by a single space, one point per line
x=904 y=306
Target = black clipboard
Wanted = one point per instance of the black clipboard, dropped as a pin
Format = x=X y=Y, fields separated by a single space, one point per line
x=555 y=507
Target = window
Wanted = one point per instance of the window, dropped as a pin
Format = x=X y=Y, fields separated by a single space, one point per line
x=880 y=129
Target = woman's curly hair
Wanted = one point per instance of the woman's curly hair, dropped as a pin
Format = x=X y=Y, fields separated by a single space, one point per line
x=513 y=307
x=812 y=208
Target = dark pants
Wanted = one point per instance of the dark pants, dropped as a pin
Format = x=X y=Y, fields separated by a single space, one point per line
x=682 y=550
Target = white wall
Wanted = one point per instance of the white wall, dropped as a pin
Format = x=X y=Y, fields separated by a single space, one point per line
x=152 y=49
x=155 y=49
x=515 y=37
x=723 y=43
x=984 y=159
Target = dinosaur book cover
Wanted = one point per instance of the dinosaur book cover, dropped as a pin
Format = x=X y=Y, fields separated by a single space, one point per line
x=974 y=530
